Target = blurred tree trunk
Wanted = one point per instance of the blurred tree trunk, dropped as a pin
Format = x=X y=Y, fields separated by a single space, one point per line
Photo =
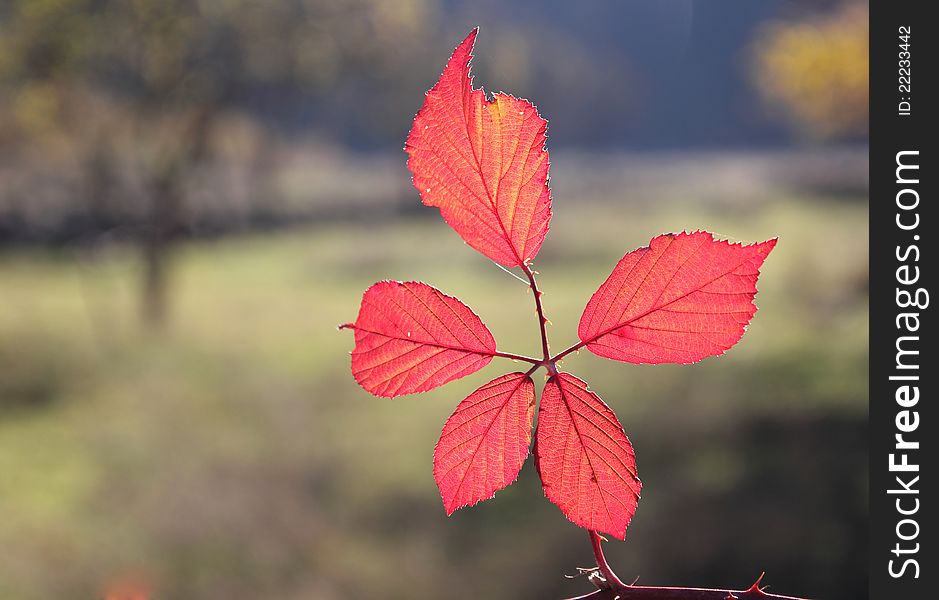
x=161 y=225
x=164 y=218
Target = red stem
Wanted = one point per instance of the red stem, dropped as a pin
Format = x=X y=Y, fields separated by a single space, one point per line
x=567 y=351
x=605 y=569
x=542 y=320
x=645 y=592
x=511 y=356
x=613 y=587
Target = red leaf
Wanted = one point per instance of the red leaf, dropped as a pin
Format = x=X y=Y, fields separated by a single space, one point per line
x=684 y=297
x=586 y=463
x=485 y=442
x=483 y=163
x=411 y=337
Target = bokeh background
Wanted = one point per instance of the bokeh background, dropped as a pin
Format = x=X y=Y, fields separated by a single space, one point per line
x=194 y=193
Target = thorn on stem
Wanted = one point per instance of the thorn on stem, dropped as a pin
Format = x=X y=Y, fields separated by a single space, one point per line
x=755 y=588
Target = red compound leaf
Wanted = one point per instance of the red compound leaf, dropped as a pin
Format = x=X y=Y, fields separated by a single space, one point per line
x=684 y=297
x=411 y=337
x=483 y=163
x=485 y=442
x=585 y=460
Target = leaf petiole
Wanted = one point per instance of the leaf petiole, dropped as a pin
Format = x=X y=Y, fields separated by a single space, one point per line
x=535 y=361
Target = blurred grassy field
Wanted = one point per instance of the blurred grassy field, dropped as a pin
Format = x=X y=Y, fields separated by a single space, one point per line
x=233 y=456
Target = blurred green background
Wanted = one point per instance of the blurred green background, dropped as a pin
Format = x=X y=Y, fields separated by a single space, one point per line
x=194 y=194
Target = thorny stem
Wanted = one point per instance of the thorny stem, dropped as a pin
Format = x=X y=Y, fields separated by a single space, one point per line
x=567 y=351
x=645 y=592
x=605 y=569
x=542 y=320
x=612 y=587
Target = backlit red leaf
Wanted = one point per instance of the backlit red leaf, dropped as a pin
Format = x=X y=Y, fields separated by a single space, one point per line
x=586 y=463
x=485 y=442
x=483 y=163
x=411 y=337
x=684 y=297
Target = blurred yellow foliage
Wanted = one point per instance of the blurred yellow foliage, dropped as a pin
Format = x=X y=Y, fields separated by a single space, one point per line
x=816 y=71
x=36 y=107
